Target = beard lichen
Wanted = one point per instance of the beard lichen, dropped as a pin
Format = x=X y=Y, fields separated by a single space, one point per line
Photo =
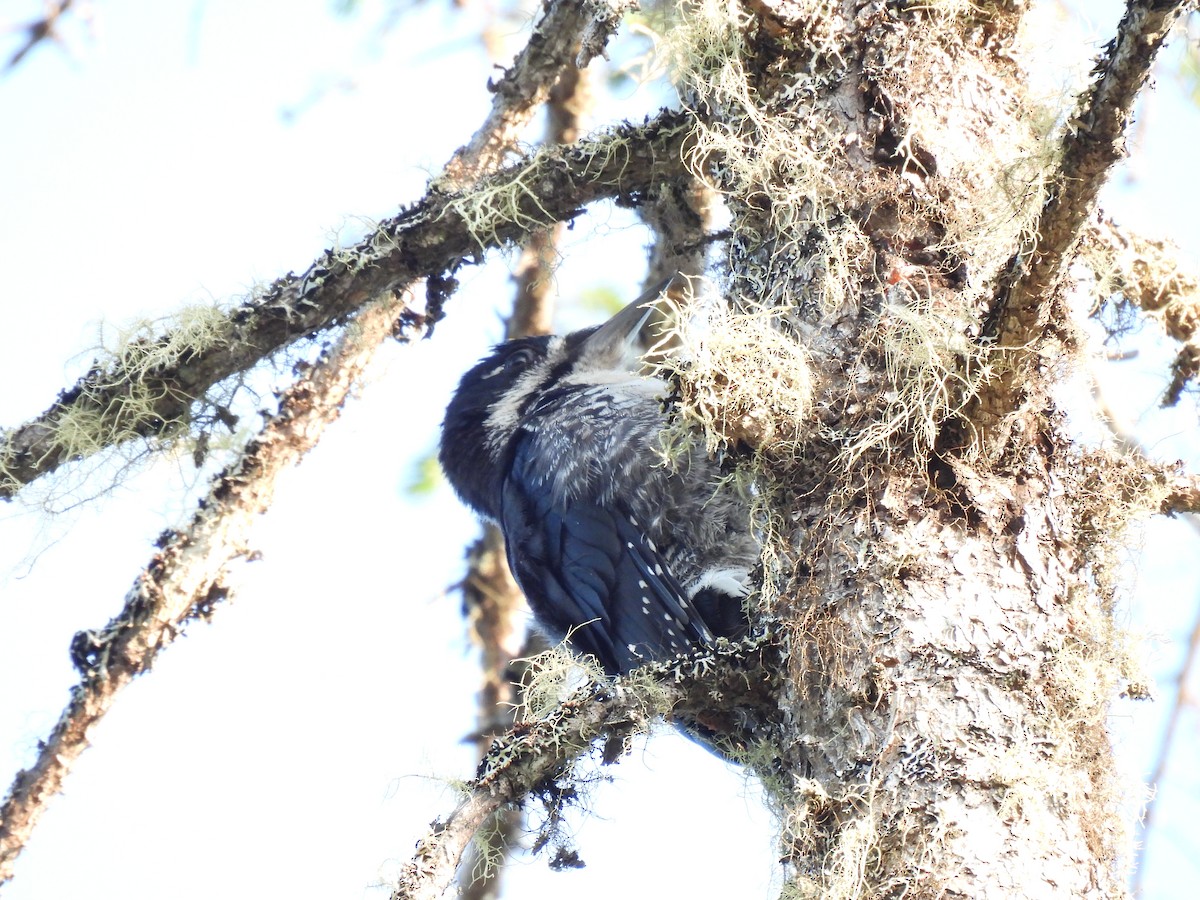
x=117 y=405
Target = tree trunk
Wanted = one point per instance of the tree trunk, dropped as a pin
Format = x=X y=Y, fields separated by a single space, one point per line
x=951 y=653
x=925 y=694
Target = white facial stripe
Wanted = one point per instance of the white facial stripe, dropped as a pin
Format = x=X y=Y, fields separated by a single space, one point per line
x=505 y=414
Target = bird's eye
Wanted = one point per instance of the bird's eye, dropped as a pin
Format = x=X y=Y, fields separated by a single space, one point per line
x=514 y=363
x=520 y=360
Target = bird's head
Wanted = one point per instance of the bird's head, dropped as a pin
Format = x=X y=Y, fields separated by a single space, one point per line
x=494 y=396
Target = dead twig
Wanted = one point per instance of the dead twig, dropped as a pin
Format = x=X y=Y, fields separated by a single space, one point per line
x=567 y=37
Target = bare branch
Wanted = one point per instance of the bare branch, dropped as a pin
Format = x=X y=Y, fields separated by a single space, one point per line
x=534 y=307
x=438 y=234
x=188 y=575
x=1093 y=145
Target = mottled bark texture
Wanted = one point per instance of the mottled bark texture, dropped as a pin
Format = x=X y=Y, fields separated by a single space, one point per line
x=938 y=554
x=940 y=543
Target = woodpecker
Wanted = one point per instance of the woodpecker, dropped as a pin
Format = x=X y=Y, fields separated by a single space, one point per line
x=628 y=556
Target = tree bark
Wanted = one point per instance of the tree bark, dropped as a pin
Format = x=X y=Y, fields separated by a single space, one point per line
x=937 y=552
x=925 y=694
x=951 y=648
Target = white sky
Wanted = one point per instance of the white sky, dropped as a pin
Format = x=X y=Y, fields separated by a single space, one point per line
x=299 y=745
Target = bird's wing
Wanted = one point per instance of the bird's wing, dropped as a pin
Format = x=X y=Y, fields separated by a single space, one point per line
x=591 y=574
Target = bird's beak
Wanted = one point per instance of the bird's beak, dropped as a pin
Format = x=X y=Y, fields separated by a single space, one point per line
x=622 y=341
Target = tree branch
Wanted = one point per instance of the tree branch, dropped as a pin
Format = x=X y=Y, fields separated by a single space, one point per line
x=728 y=691
x=1147 y=273
x=568 y=34
x=531 y=756
x=1093 y=145
x=187 y=577
x=40 y=30
x=149 y=389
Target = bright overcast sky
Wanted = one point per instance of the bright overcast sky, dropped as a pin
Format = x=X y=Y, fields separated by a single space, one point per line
x=183 y=152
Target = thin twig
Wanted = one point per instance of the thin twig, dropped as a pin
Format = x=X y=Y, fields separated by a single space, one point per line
x=187 y=576
x=39 y=31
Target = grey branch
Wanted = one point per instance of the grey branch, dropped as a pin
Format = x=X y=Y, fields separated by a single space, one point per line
x=187 y=576
x=569 y=35
x=434 y=236
x=1093 y=145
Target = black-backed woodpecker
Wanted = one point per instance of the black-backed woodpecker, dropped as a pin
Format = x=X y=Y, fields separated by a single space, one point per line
x=629 y=556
